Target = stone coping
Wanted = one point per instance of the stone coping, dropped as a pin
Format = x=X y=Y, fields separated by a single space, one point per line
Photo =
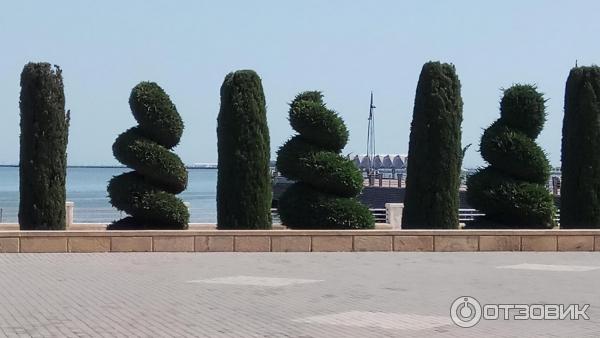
x=289 y=232
x=298 y=240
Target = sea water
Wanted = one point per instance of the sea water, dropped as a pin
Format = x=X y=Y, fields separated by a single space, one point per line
x=86 y=187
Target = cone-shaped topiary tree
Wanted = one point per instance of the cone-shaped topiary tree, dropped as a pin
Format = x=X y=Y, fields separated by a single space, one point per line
x=435 y=153
x=580 y=190
x=324 y=195
x=43 y=157
x=244 y=181
x=512 y=190
x=147 y=193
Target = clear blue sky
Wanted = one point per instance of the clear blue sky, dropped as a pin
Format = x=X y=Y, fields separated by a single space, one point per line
x=344 y=48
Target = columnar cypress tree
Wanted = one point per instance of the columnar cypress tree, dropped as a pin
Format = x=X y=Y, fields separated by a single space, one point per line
x=43 y=157
x=435 y=154
x=324 y=195
x=148 y=192
x=580 y=190
x=512 y=190
x=243 y=182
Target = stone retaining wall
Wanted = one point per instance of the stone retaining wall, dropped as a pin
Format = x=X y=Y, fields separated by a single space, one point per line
x=299 y=241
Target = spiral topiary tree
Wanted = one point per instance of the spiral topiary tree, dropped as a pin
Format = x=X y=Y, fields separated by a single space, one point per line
x=244 y=191
x=324 y=195
x=434 y=153
x=512 y=190
x=43 y=155
x=148 y=192
x=580 y=190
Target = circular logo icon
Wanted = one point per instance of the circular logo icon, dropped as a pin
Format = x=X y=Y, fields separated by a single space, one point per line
x=465 y=311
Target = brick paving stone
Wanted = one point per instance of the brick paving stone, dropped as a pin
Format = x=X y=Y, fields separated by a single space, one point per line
x=373 y=294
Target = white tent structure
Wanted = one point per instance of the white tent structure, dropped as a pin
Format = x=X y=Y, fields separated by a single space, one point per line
x=389 y=161
x=377 y=162
x=365 y=162
x=400 y=161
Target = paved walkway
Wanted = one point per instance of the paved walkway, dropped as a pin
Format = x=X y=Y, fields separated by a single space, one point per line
x=288 y=294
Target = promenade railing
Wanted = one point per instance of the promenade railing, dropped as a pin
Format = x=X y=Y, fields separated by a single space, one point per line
x=207 y=215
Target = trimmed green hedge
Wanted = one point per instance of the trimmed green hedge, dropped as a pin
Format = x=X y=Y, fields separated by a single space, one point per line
x=151 y=160
x=523 y=109
x=244 y=182
x=321 y=126
x=147 y=193
x=513 y=153
x=150 y=206
x=304 y=207
x=324 y=196
x=580 y=190
x=156 y=114
x=508 y=201
x=330 y=172
x=512 y=190
x=43 y=154
x=435 y=153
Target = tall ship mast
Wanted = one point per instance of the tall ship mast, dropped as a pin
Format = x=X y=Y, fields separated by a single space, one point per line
x=371 y=137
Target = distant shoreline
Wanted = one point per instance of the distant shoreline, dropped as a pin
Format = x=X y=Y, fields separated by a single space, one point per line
x=110 y=166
